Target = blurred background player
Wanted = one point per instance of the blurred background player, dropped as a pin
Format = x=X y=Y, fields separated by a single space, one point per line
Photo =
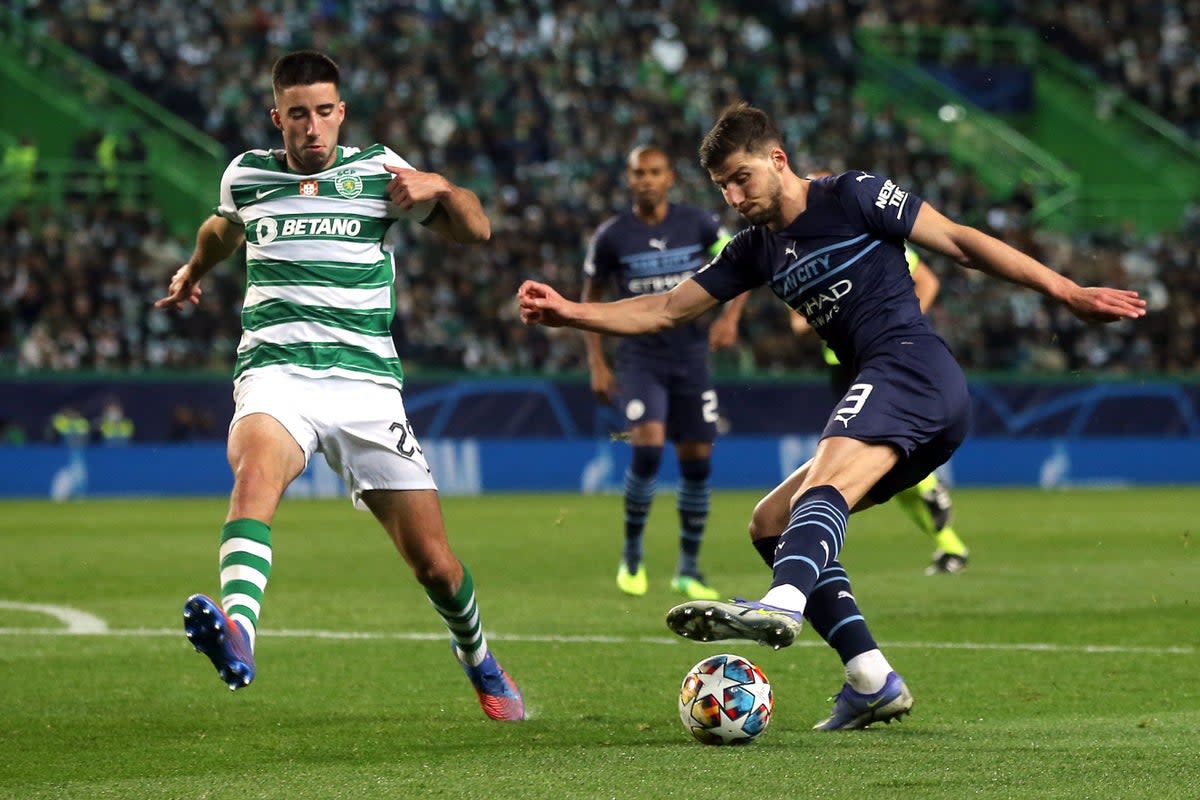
x=928 y=503
x=113 y=427
x=70 y=428
x=662 y=385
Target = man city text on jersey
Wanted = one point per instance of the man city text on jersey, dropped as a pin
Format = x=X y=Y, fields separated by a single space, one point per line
x=840 y=263
x=648 y=259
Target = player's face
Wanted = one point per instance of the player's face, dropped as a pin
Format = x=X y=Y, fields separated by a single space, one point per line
x=650 y=177
x=309 y=117
x=751 y=183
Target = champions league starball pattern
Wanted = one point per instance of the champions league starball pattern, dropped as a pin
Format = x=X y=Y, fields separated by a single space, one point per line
x=725 y=699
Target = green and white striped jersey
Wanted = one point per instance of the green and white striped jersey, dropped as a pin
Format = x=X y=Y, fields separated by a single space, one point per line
x=320 y=264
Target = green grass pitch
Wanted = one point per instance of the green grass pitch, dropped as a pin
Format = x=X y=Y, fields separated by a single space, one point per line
x=1062 y=664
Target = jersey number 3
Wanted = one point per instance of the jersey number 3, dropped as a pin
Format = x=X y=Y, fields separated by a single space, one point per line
x=852 y=403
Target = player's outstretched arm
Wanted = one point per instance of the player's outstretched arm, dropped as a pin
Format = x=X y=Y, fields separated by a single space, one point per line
x=724 y=331
x=971 y=247
x=216 y=240
x=540 y=304
x=462 y=220
x=603 y=381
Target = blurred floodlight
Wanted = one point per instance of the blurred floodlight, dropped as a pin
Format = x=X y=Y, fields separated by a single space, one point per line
x=950 y=113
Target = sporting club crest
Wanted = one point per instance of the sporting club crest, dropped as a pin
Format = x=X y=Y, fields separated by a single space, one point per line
x=348 y=184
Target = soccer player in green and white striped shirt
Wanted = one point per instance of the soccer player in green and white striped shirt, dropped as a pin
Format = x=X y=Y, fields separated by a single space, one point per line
x=317 y=370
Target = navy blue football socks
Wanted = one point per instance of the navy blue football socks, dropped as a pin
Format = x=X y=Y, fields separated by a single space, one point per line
x=693 y=503
x=640 y=483
x=813 y=538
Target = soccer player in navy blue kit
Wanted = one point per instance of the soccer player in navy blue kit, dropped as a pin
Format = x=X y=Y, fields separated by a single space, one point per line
x=927 y=503
x=662 y=385
x=833 y=250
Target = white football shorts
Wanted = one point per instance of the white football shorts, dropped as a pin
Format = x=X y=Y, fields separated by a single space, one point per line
x=359 y=426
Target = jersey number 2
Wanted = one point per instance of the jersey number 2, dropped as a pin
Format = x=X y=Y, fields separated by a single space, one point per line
x=709 y=408
x=405 y=449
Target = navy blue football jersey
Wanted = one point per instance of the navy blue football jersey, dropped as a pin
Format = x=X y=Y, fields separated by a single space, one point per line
x=639 y=259
x=840 y=263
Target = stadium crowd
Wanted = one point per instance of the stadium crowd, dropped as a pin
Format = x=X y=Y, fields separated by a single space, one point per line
x=1150 y=50
x=534 y=111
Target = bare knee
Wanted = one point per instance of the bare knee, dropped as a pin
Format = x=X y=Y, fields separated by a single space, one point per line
x=413 y=520
x=439 y=574
x=263 y=456
x=256 y=477
x=765 y=521
x=256 y=491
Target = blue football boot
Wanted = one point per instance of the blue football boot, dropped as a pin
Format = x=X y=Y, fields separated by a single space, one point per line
x=223 y=640
x=853 y=710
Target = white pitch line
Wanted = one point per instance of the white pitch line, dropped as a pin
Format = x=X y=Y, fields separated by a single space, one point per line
x=416 y=636
x=76 y=621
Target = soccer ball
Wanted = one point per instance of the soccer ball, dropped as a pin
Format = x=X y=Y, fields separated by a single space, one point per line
x=725 y=699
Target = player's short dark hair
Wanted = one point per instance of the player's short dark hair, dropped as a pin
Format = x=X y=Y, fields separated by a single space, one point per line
x=741 y=126
x=304 y=68
x=648 y=147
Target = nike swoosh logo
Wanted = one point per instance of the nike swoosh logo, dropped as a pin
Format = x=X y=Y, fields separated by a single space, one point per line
x=863 y=177
x=260 y=194
x=875 y=702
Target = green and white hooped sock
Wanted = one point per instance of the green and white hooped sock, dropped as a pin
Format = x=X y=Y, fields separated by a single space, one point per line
x=461 y=614
x=245 y=568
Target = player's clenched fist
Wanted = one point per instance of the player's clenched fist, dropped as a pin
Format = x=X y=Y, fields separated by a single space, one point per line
x=540 y=305
x=409 y=186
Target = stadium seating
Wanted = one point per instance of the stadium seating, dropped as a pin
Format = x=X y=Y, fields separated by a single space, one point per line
x=535 y=111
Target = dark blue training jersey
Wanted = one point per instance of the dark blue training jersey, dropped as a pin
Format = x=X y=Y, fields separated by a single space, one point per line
x=647 y=259
x=840 y=263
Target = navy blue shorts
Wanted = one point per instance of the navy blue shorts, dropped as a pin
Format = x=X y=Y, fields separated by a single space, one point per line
x=912 y=395
x=679 y=394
